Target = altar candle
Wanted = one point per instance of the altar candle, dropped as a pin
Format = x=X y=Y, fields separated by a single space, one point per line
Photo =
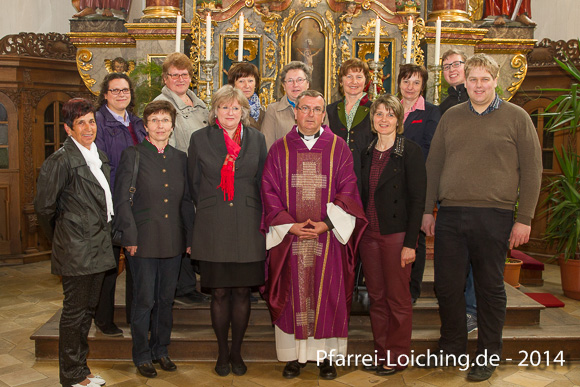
x=241 y=39
x=437 y=41
x=377 y=37
x=208 y=36
x=178 y=34
x=409 y=39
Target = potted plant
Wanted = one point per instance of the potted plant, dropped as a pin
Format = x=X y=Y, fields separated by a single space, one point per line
x=148 y=82
x=563 y=191
x=511 y=270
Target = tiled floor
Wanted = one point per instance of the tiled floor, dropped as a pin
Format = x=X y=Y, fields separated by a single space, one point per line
x=29 y=296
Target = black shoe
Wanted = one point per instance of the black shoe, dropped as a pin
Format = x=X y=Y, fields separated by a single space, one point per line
x=147 y=370
x=110 y=330
x=479 y=373
x=327 y=371
x=239 y=369
x=166 y=363
x=292 y=369
x=382 y=371
x=370 y=368
x=222 y=370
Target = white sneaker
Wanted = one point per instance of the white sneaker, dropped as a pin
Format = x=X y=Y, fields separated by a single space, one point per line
x=99 y=381
x=91 y=384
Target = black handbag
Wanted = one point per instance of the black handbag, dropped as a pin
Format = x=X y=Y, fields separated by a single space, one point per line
x=116 y=234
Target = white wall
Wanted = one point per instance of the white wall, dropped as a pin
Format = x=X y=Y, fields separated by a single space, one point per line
x=42 y=16
x=557 y=19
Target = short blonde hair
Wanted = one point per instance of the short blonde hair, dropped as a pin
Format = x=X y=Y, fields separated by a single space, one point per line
x=226 y=94
x=390 y=102
x=482 y=61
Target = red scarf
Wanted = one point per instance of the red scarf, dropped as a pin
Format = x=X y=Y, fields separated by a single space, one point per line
x=229 y=167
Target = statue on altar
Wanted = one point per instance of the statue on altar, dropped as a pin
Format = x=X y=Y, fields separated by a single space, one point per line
x=504 y=10
x=89 y=7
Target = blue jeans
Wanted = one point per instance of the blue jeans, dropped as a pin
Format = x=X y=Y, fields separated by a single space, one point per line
x=470 y=303
x=154 y=282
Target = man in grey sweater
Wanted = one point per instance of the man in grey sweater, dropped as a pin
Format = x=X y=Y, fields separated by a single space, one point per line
x=485 y=156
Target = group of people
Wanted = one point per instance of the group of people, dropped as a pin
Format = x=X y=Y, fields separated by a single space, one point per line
x=288 y=199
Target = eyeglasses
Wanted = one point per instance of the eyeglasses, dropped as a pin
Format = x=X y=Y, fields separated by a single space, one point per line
x=117 y=91
x=308 y=109
x=155 y=121
x=175 y=77
x=297 y=81
x=234 y=109
x=456 y=64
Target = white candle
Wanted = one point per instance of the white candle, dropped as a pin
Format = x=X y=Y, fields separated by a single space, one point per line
x=377 y=38
x=438 y=41
x=178 y=34
x=409 y=39
x=208 y=36
x=241 y=39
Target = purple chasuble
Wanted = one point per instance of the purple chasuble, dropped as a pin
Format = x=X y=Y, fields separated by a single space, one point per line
x=309 y=283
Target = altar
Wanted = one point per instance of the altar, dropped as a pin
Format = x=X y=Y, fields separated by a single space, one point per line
x=321 y=33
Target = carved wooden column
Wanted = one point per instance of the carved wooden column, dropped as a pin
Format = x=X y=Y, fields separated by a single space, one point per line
x=450 y=11
x=161 y=9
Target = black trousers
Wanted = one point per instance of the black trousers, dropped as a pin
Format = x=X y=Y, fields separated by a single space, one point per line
x=187 y=280
x=81 y=295
x=418 y=266
x=106 y=308
x=478 y=236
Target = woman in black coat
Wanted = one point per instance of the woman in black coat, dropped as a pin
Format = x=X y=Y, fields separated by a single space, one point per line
x=74 y=207
x=225 y=165
x=155 y=226
x=394 y=182
x=349 y=118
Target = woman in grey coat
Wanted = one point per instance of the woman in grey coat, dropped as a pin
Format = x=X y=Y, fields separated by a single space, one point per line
x=225 y=165
x=74 y=208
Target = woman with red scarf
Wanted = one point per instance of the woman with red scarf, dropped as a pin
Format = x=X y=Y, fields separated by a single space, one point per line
x=225 y=165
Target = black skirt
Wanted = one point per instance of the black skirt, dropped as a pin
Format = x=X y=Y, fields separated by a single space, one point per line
x=231 y=274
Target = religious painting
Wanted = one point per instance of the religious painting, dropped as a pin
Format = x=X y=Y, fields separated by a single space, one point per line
x=308 y=45
x=364 y=49
x=229 y=53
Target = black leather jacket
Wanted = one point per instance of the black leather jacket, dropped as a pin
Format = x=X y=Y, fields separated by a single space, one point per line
x=72 y=211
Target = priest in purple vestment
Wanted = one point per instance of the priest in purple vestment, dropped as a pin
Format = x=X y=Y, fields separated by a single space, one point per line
x=313 y=220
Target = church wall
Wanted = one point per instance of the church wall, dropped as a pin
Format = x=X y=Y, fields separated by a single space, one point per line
x=557 y=19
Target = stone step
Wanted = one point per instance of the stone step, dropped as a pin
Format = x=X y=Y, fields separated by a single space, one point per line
x=561 y=333
x=521 y=310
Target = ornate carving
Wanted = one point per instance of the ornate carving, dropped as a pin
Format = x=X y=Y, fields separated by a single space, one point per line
x=369 y=28
x=109 y=65
x=28 y=105
x=283 y=33
x=347 y=18
x=518 y=62
x=418 y=35
x=311 y=3
x=236 y=26
x=270 y=55
x=195 y=50
x=270 y=19
x=365 y=48
x=232 y=48
x=334 y=39
x=545 y=51
x=51 y=45
x=84 y=56
x=345 y=50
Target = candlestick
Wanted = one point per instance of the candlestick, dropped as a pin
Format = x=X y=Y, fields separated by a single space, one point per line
x=178 y=34
x=207 y=67
x=375 y=67
x=438 y=41
x=241 y=39
x=377 y=37
x=208 y=37
x=409 y=39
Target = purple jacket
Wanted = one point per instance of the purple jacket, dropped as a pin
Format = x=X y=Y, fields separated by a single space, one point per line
x=113 y=137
